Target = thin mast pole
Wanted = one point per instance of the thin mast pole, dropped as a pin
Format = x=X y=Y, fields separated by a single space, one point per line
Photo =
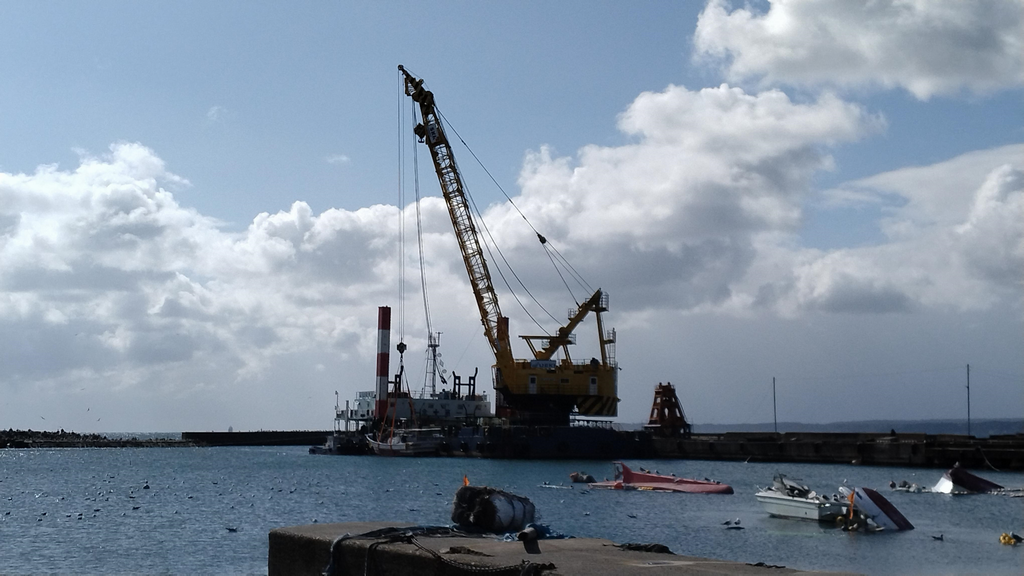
x=775 y=410
x=968 y=399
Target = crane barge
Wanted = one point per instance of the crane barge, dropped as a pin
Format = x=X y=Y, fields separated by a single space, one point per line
x=541 y=390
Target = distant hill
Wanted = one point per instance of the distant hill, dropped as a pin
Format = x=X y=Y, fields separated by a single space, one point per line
x=979 y=428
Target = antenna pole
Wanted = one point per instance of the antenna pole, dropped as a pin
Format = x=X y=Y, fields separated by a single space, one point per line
x=968 y=399
x=775 y=409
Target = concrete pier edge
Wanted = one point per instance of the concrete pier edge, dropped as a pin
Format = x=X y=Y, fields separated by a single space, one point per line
x=306 y=551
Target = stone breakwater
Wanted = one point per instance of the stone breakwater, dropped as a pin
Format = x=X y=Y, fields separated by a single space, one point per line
x=61 y=439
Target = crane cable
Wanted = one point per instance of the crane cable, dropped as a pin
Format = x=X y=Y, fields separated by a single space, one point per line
x=540 y=237
x=544 y=241
x=486 y=246
x=419 y=234
x=401 y=347
x=432 y=362
x=401 y=219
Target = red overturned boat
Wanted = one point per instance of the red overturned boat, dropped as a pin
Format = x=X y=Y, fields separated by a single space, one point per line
x=626 y=479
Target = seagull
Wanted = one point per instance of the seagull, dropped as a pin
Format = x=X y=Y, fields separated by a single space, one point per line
x=230 y=529
x=939 y=537
x=631 y=515
x=727 y=523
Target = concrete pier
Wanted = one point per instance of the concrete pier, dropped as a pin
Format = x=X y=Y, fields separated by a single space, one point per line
x=306 y=551
x=258 y=438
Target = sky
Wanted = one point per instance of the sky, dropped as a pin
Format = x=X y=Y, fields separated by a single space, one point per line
x=203 y=204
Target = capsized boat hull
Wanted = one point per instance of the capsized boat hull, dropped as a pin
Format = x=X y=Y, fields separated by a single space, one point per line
x=879 y=510
x=626 y=479
x=956 y=480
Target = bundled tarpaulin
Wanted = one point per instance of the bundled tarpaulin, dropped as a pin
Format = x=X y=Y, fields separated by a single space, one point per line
x=491 y=510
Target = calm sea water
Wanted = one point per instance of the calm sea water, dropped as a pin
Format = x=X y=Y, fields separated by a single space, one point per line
x=87 y=511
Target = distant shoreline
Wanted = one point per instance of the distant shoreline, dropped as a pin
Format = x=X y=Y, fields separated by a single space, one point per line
x=61 y=439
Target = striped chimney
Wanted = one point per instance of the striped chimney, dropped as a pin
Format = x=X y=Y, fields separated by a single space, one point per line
x=383 y=359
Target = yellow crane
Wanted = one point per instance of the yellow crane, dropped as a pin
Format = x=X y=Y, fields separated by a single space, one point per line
x=540 y=390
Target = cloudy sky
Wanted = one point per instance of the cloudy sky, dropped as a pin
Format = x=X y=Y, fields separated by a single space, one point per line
x=200 y=204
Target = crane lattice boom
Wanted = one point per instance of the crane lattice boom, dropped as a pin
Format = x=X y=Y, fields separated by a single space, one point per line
x=537 y=390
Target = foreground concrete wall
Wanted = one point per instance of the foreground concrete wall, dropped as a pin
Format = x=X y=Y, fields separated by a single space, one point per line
x=306 y=551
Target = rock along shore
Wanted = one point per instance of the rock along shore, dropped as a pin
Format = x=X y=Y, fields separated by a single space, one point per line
x=43 y=439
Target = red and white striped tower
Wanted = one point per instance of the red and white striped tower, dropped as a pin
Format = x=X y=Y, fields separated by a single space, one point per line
x=383 y=359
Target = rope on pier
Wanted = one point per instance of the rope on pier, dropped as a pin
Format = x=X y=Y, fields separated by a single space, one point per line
x=445 y=566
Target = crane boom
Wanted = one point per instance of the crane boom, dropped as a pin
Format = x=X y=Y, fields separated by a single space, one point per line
x=541 y=390
x=495 y=327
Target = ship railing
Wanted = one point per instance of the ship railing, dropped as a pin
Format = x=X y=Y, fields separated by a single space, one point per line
x=576 y=420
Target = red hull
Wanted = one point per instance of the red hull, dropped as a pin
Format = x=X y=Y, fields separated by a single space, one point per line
x=626 y=479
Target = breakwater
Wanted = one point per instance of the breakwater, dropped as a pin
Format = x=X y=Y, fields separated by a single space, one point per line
x=1002 y=452
x=258 y=438
x=919 y=450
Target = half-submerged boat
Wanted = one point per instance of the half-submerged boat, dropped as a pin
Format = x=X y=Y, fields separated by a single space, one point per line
x=867 y=504
x=956 y=480
x=787 y=499
x=626 y=479
x=407 y=442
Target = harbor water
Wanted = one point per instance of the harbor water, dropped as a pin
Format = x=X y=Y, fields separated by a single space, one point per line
x=209 y=510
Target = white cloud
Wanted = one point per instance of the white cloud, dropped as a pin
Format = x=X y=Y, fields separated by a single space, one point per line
x=338 y=159
x=682 y=206
x=935 y=194
x=105 y=279
x=111 y=293
x=216 y=114
x=927 y=47
x=705 y=208
x=991 y=240
x=954 y=239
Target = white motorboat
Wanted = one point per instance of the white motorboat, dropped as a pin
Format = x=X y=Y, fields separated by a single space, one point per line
x=787 y=499
x=407 y=442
